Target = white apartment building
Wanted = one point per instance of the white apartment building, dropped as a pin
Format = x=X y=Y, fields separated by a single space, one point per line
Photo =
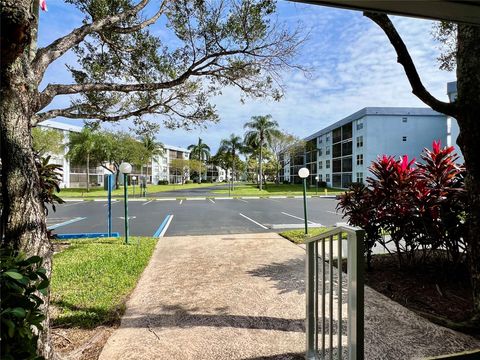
x=157 y=170
x=452 y=126
x=342 y=152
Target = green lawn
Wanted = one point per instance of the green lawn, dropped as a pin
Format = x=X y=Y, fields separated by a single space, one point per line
x=297 y=236
x=99 y=192
x=92 y=278
x=276 y=189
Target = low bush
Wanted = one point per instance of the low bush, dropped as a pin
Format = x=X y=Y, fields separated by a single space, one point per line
x=162 y=182
x=188 y=182
x=21 y=281
x=421 y=206
x=322 y=184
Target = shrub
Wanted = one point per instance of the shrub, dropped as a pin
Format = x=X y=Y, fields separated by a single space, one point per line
x=322 y=184
x=188 y=181
x=162 y=182
x=421 y=206
x=20 y=307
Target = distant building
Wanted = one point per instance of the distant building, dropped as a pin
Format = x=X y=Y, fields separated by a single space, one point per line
x=342 y=152
x=452 y=126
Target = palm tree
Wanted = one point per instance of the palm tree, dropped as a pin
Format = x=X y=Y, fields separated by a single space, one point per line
x=261 y=131
x=232 y=146
x=151 y=149
x=200 y=152
x=81 y=146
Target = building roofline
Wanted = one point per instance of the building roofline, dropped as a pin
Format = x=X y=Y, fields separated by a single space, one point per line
x=177 y=148
x=61 y=126
x=375 y=111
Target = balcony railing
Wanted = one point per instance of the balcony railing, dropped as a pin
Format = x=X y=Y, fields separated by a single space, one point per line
x=315 y=325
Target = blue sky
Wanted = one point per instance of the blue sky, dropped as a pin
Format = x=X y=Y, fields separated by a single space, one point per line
x=353 y=66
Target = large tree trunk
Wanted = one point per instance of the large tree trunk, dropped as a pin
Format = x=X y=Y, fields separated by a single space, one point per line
x=23 y=225
x=468 y=86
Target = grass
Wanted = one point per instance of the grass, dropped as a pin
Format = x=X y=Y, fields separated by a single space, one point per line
x=99 y=192
x=298 y=236
x=276 y=189
x=91 y=280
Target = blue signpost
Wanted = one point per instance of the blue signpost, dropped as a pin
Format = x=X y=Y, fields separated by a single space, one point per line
x=109 y=220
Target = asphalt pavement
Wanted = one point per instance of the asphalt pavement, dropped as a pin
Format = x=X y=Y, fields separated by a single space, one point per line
x=171 y=217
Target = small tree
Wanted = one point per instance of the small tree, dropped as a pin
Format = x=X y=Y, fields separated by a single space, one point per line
x=232 y=147
x=81 y=147
x=180 y=167
x=47 y=141
x=261 y=130
x=284 y=146
x=200 y=152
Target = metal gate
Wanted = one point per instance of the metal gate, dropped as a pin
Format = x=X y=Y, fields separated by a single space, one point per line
x=320 y=285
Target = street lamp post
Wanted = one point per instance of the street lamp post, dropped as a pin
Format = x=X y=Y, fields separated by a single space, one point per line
x=303 y=174
x=134 y=179
x=316 y=182
x=126 y=169
x=310 y=270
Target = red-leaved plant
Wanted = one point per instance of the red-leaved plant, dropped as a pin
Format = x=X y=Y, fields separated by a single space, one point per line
x=420 y=206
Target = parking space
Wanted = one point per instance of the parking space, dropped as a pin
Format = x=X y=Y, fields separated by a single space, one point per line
x=194 y=216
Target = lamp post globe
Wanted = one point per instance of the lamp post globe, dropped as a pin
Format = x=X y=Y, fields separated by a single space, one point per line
x=125 y=168
x=303 y=173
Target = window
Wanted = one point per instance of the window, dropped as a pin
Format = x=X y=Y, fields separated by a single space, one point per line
x=327 y=150
x=320 y=165
x=347 y=148
x=359 y=141
x=337 y=166
x=360 y=159
x=337 y=150
x=359 y=177
x=327 y=177
x=347 y=164
x=404 y=138
x=347 y=131
x=327 y=139
x=337 y=135
x=359 y=125
x=320 y=152
x=320 y=140
x=404 y=119
x=320 y=177
x=327 y=164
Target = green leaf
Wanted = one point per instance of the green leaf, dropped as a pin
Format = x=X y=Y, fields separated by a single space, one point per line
x=18 y=312
x=14 y=275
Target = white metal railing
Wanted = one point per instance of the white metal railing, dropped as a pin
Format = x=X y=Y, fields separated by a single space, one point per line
x=355 y=294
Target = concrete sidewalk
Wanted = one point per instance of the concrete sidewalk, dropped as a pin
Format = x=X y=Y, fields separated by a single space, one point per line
x=242 y=297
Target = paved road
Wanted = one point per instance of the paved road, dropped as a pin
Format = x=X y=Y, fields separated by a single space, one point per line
x=205 y=191
x=194 y=217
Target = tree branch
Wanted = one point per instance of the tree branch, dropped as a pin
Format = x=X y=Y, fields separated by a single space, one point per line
x=404 y=58
x=45 y=56
x=142 y=25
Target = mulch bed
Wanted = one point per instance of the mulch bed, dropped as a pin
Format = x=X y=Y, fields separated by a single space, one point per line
x=438 y=291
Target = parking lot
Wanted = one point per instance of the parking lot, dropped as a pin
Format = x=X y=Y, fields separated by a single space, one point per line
x=171 y=217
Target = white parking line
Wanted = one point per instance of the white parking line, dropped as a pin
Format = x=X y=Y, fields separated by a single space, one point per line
x=148 y=202
x=80 y=202
x=333 y=212
x=255 y=222
x=245 y=201
x=181 y=201
x=213 y=202
x=113 y=203
x=296 y=217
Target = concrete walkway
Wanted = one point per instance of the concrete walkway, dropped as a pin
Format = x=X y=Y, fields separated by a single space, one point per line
x=242 y=297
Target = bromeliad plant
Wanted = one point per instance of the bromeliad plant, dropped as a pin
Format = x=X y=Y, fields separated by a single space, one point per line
x=50 y=177
x=420 y=205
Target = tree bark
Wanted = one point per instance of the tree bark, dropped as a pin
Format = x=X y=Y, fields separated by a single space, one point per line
x=468 y=100
x=23 y=223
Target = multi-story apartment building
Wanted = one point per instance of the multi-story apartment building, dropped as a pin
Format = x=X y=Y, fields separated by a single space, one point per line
x=162 y=168
x=342 y=152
